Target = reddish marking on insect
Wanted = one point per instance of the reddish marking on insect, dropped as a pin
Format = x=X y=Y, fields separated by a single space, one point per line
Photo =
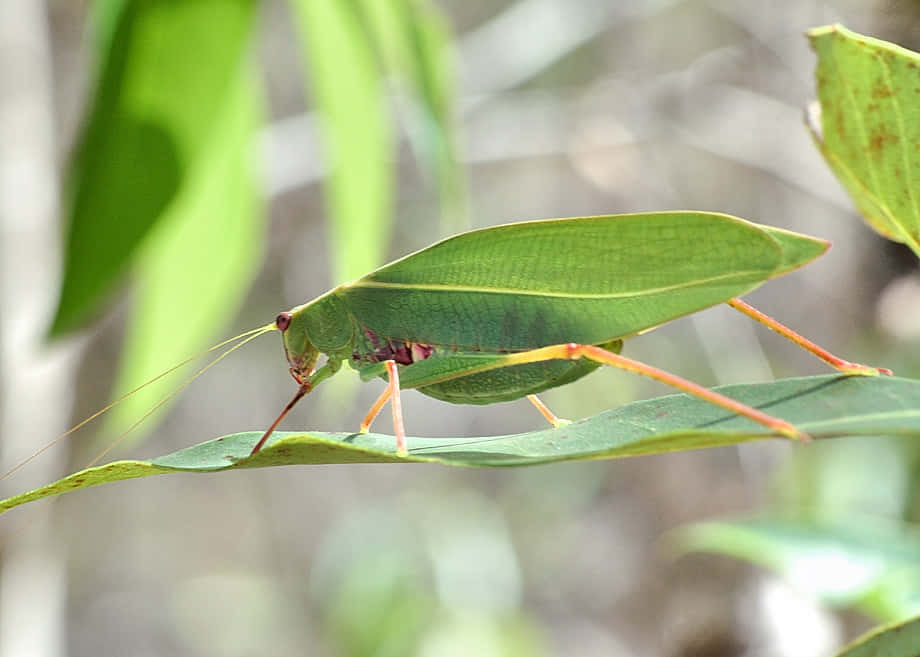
x=419 y=351
x=282 y=321
x=401 y=354
x=404 y=353
x=372 y=337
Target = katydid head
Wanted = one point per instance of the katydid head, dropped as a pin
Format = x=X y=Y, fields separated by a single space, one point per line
x=299 y=351
x=302 y=355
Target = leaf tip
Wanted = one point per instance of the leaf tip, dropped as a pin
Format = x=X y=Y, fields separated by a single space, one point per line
x=824 y=30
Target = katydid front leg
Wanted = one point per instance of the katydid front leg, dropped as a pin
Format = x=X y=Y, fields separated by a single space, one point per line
x=323 y=373
x=396 y=405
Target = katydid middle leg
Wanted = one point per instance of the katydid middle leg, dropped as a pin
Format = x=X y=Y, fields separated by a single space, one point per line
x=551 y=417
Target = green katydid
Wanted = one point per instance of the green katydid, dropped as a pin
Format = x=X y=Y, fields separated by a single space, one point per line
x=506 y=312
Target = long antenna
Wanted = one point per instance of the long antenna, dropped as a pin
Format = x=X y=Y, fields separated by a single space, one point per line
x=185 y=384
x=249 y=335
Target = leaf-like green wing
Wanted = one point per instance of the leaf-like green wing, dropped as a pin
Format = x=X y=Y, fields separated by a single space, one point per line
x=587 y=280
x=870 y=126
x=797 y=249
x=825 y=406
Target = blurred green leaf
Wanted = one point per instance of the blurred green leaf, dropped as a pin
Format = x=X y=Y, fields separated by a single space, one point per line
x=874 y=566
x=195 y=267
x=824 y=406
x=836 y=480
x=481 y=633
x=869 y=126
x=378 y=608
x=415 y=46
x=398 y=580
x=370 y=579
x=897 y=640
x=103 y=22
x=348 y=92
x=166 y=73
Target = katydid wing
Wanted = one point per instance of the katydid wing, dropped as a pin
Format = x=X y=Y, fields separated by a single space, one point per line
x=458 y=317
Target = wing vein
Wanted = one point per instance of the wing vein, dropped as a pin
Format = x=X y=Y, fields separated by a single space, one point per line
x=437 y=287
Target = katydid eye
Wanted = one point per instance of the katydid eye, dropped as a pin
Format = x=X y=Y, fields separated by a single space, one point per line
x=282 y=321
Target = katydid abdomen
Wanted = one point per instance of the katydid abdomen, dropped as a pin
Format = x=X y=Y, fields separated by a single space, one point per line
x=449 y=373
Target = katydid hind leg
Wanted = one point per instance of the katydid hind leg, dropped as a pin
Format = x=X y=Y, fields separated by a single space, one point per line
x=572 y=351
x=838 y=364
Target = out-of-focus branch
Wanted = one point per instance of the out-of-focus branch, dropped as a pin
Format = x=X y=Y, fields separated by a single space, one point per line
x=35 y=380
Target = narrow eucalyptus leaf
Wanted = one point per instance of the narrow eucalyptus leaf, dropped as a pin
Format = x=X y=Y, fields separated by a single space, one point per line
x=825 y=406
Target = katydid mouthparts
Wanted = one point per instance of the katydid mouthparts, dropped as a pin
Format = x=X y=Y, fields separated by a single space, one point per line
x=507 y=312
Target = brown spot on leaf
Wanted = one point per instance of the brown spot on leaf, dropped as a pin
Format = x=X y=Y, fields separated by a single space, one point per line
x=840 y=124
x=882 y=90
x=880 y=140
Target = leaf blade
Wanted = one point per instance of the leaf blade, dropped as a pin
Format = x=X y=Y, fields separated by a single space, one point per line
x=348 y=91
x=856 y=562
x=195 y=267
x=825 y=406
x=414 y=42
x=895 y=640
x=151 y=116
x=868 y=134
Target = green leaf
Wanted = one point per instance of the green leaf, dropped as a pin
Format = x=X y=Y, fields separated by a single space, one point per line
x=896 y=640
x=415 y=45
x=167 y=70
x=872 y=565
x=825 y=406
x=196 y=265
x=870 y=126
x=348 y=92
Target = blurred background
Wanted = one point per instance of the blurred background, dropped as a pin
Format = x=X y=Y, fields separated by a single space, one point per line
x=185 y=171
